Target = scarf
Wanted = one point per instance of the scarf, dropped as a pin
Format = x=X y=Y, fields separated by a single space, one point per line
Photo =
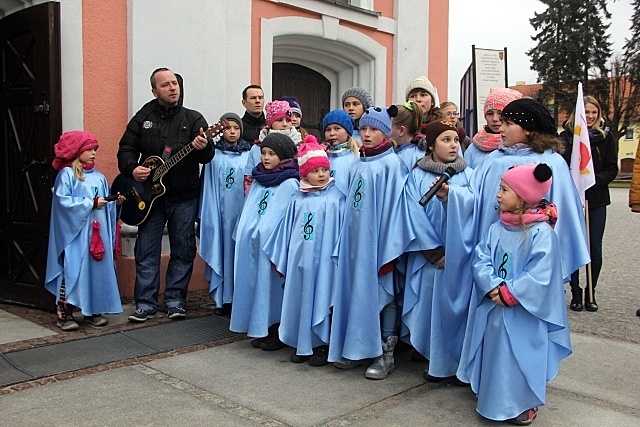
x=270 y=178
x=369 y=152
x=338 y=148
x=428 y=164
x=486 y=140
x=306 y=187
x=420 y=140
x=543 y=212
x=292 y=133
x=241 y=146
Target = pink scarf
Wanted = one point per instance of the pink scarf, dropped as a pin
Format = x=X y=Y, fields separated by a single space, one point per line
x=544 y=212
x=486 y=141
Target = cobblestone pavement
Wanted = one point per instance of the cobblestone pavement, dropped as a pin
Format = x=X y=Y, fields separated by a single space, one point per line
x=618 y=291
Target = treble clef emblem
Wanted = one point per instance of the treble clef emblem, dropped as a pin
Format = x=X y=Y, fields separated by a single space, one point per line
x=332 y=173
x=357 y=195
x=229 y=179
x=308 y=227
x=502 y=271
x=263 y=204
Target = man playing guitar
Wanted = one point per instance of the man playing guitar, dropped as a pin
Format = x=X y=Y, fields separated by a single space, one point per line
x=161 y=128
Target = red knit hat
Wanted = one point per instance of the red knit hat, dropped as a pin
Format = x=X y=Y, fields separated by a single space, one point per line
x=276 y=110
x=530 y=181
x=70 y=145
x=311 y=156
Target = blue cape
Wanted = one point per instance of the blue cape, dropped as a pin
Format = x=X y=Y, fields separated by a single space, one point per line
x=89 y=284
x=378 y=227
x=221 y=201
x=257 y=296
x=515 y=350
x=300 y=247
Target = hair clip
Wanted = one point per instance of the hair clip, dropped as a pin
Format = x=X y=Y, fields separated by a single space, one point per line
x=408 y=105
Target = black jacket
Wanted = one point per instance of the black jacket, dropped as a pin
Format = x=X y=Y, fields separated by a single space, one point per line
x=146 y=135
x=251 y=127
x=604 y=152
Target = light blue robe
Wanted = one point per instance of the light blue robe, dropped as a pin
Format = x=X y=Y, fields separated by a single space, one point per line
x=409 y=154
x=221 y=202
x=378 y=227
x=258 y=292
x=516 y=350
x=341 y=162
x=480 y=198
x=90 y=285
x=475 y=156
x=301 y=248
x=253 y=159
x=433 y=307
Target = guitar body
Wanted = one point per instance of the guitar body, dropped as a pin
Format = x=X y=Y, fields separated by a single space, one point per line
x=140 y=196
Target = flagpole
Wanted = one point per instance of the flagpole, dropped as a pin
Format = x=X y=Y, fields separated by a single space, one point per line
x=589 y=287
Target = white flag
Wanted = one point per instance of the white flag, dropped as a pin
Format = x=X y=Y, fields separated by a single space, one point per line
x=581 y=162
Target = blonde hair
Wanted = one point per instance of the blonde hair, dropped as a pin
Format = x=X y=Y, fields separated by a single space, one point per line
x=588 y=99
x=353 y=146
x=446 y=104
x=78 y=169
x=410 y=116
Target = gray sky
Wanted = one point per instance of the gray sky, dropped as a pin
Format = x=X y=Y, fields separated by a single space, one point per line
x=496 y=24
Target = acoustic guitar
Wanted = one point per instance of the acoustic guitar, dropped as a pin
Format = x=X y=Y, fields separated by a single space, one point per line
x=140 y=196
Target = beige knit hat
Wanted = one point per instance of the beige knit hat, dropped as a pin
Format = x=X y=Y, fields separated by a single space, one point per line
x=421 y=83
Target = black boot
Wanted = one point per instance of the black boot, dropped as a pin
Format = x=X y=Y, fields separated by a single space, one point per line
x=589 y=303
x=273 y=343
x=576 y=299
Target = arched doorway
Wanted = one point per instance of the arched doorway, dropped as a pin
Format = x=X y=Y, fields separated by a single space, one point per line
x=311 y=88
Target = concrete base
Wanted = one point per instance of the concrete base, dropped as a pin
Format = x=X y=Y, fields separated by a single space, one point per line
x=126 y=265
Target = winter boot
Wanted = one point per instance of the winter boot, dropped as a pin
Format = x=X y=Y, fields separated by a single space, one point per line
x=576 y=299
x=383 y=365
x=273 y=343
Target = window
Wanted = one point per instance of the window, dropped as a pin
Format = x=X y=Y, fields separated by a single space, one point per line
x=629 y=134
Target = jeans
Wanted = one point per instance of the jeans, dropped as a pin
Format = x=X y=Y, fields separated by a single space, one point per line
x=180 y=220
x=597 y=220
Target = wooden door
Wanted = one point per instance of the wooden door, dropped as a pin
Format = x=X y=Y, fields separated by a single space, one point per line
x=311 y=88
x=30 y=123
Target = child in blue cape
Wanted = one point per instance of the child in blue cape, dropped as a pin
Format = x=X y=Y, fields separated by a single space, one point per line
x=258 y=292
x=437 y=292
x=82 y=235
x=300 y=248
x=221 y=201
x=406 y=133
x=279 y=120
x=521 y=330
x=378 y=227
x=529 y=135
x=342 y=149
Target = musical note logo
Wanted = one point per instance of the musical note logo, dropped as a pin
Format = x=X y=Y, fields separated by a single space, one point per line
x=264 y=202
x=308 y=228
x=229 y=179
x=504 y=265
x=357 y=195
x=332 y=173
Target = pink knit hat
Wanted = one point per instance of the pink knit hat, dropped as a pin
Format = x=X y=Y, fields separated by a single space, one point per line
x=275 y=110
x=530 y=181
x=499 y=97
x=311 y=156
x=70 y=145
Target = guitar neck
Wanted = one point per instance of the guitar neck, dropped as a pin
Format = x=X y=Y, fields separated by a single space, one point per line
x=172 y=161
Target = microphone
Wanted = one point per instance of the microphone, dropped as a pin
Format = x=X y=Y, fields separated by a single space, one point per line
x=448 y=173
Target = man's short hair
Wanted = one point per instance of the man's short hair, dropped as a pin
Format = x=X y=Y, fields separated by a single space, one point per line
x=244 y=92
x=153 y=76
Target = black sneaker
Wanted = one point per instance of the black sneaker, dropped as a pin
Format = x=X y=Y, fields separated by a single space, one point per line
x=176 y=313
x=141 y=315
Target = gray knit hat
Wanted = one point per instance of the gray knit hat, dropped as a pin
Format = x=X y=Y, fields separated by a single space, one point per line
x=281 y=144
x=361 y=94
x=233 y=117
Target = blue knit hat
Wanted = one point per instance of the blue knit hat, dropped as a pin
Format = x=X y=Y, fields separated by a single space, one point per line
x=339 y=117
x=379 y=118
